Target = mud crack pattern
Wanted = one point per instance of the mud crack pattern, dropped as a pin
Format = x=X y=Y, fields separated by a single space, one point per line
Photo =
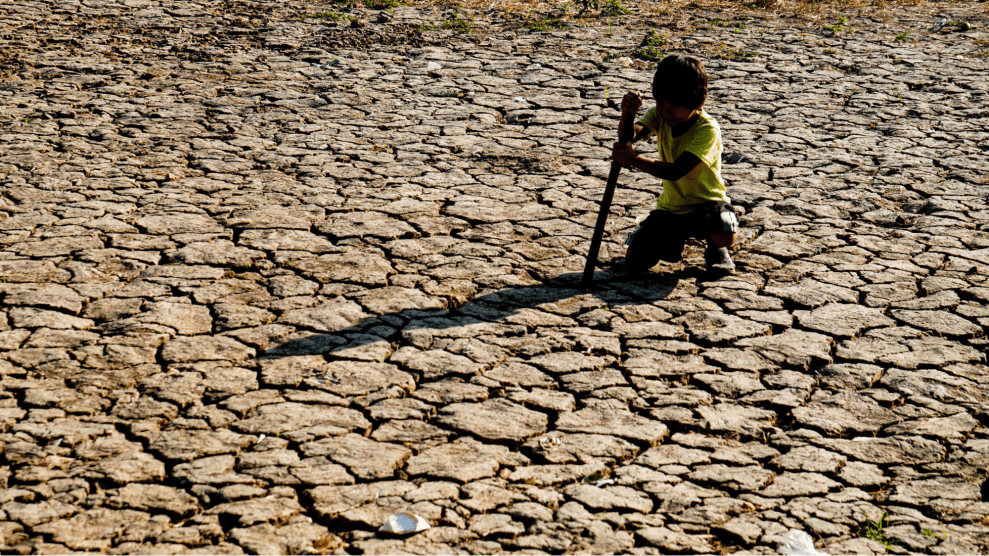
x=265 y=280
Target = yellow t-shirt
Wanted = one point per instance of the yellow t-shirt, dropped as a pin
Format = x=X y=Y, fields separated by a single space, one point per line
x=704 y=182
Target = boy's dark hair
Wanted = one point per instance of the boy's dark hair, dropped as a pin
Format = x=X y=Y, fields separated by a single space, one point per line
x=681 y=80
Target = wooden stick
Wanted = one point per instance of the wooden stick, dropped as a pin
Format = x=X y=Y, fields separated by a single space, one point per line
x=609 y=194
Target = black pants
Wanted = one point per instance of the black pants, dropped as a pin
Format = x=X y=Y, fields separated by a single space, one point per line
x=662 y=235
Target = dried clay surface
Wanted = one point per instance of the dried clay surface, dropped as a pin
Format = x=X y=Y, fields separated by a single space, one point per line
x=267 y=279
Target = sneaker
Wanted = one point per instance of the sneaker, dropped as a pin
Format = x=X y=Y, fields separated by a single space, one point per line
x=631 y=236
x=638 y=226
x=719 y=260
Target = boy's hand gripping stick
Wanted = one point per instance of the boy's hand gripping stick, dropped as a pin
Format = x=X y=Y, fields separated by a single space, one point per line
x=609 y=194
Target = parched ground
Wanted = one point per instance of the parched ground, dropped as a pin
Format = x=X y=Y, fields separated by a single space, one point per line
x=265 y=280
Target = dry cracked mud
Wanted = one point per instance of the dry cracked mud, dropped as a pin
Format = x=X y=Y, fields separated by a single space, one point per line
x=266 y=279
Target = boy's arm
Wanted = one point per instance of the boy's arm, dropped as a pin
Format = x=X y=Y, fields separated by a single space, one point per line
x=685 y=164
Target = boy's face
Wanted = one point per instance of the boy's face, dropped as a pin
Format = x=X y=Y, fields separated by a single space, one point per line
x=672 y=114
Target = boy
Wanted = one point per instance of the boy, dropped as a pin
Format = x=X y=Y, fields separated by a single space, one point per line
x=694 y=202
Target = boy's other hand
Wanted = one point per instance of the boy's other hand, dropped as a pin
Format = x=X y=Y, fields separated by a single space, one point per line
x=631 y=103
x=623 y=154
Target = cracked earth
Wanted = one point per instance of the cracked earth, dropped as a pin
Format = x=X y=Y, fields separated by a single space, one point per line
x=265 y=280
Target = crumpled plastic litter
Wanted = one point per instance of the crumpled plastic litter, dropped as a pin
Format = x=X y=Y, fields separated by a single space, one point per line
x=941 y=23
x=549 y=442
x=734 y=158
x=798 y=543
x=404 y=523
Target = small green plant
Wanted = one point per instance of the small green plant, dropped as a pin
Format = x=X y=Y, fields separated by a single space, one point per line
x=874 y=531
x=332 y=16
x=614 y=8
x=902 y=37
x=27 y=120
x=830 y=51
x=376 y=4
x=545 y=24
x=649 y=48
x=728 y=53
x=723 y=23
x=929 y=533
x=978 y=54
x=838 y=27
x=651 y=54
x=455 y=19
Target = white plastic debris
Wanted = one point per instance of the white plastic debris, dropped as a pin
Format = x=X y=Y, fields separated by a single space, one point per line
x=404 y=523
x=625 y=61
x=549 y=442
x=798 y=543
x=604 y=482
x=326 y=65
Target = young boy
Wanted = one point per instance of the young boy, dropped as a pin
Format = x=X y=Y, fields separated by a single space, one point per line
x=694 y=202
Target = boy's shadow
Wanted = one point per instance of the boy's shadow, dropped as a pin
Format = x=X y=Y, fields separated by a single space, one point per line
x=495 y=307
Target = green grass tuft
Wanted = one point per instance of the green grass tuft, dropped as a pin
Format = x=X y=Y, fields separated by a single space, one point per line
x=545 y=24
x=874 y=531
x=728 y=53
x=455 y=19
x=723 y=23
x=332 y=16
x=838 y=28
x=614 y=8
x=649 y=49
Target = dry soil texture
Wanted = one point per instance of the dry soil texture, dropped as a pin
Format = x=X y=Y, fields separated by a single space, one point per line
x=266 y=280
